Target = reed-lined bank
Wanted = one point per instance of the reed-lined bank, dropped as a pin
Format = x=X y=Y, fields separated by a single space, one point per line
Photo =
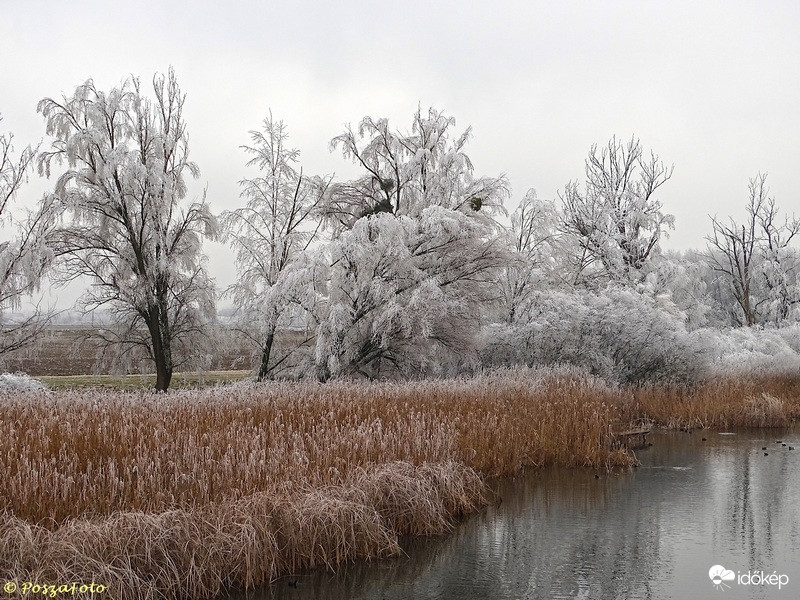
x=187 y=493
x=721 y=402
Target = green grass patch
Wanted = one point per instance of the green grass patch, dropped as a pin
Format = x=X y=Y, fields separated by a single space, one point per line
x=189 y=380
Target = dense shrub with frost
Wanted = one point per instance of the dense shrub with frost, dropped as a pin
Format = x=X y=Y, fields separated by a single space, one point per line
x=751 y=350
x=618 y=334
x=19 y=382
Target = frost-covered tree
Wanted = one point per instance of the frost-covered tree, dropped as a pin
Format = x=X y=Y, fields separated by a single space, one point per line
x=269 y=234
x=405 y=294
x=415 y=251
x=780 y=263
x=13 y=170
x=755 y=259
x=683 y=277
x=125 y=225
x=407 y=173
x=616 y=220
x=534 y=238
x=733 y=250
x=24 y=253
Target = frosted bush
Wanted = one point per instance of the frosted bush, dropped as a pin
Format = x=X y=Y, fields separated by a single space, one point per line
x=618 y=335
x=750 y=350
x=19 y=382
x=790 y=335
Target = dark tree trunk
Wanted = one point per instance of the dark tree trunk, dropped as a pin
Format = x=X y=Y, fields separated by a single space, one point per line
x=162 y=350
x=266 y=350
x=163 y=375
x=747 y=306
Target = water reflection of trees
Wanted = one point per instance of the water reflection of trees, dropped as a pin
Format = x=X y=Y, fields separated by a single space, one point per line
x=758 y=497
x=585 y=538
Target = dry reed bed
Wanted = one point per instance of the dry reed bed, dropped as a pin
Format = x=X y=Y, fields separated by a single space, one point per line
x=242 y=543
x=182 y=495
x=720 y=402
x=95 y=452
x=179 y=495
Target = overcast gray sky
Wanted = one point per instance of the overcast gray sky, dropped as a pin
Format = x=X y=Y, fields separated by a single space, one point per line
x=712 y=87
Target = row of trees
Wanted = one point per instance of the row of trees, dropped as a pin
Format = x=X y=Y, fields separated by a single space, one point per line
x=398 y=272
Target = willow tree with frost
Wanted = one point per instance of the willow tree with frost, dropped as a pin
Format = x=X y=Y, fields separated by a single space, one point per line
x=415 y=251
x=126 y=225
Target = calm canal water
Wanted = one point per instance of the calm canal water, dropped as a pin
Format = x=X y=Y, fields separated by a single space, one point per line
x=652 y=533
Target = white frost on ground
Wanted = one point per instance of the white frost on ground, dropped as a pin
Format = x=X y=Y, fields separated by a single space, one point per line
x=21 y=382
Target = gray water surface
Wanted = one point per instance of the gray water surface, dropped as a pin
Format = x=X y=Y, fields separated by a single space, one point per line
x=653 y=532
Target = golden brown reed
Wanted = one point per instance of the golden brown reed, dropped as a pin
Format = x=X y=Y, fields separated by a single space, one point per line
x=720 y=402
x=89 y=453
x=180 y=495
x=242 y=543
x=184 y=494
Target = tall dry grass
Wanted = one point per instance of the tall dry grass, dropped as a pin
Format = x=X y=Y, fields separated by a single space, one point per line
x=95 y=452
x=241 y=543
x=185 y=493
x=720 y=402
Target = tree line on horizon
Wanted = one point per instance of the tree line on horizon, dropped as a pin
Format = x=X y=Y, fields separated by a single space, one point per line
x=404 y=271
